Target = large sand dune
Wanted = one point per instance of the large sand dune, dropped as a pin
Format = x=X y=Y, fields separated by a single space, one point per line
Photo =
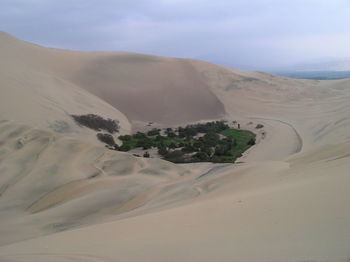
x=143 y=87
x=287 y=199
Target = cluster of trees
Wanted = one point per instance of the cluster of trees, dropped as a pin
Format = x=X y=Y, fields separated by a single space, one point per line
x=209 y=147
x=206 y=142
x=193 y=143
x=209 y=127
x=149 y=140
x=107 y=139
x=97 y=123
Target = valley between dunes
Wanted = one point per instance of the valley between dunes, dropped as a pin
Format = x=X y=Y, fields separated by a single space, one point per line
x=65 y=197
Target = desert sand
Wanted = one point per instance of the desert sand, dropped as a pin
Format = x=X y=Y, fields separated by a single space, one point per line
x=65 y=197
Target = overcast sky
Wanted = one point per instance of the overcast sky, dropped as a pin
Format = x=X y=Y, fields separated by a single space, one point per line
x=246 y=34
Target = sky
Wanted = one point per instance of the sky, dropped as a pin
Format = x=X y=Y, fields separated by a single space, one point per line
x=244 y=34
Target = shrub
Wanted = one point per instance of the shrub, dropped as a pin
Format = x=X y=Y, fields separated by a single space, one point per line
x=251 y=142
x=258 y=126
x=153 y=132
x=171 y=134
x=211 y=139
x=228 y=141
x=206 y=149
x=125 y=138
x=188 y=149
x=144 y=143
x=139 y=135
x=222 y=150
x=106 y=138
x=215 y=126
x=162 y=150
x=97 y=123
x=176 y=156
x=216 y=159
x=124 y=148
x=146 y=154
x=202 y=156
x=159 y=138
x=172 y=145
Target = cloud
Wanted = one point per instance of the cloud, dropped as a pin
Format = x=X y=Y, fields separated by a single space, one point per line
x=255 y=34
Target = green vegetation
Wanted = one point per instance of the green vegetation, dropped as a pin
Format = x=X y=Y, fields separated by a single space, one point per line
x=208 y=142
x=97 y=123
x=245 y=139
x=106 y=138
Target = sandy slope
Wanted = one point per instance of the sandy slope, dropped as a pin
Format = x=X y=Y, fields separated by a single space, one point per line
x=287 y=200
x=293 y=214
x=143 y=87
x=161 y=89
x=33 y=92
x=92 y=183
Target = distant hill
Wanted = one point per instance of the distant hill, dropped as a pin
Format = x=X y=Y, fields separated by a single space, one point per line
x=318 y=70
x=317 y=75
x=325 y=65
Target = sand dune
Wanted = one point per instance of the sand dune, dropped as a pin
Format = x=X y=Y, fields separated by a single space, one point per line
x=33 y=94
x=92 y=183
x=286 y=200
x=162 y=89
x=143 y=87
